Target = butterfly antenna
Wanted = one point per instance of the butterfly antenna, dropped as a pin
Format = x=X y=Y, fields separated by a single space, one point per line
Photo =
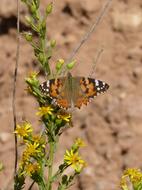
x=96 y=61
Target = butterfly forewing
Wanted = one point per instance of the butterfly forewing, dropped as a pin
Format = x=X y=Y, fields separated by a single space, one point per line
x=58 y=90
x=88 y=88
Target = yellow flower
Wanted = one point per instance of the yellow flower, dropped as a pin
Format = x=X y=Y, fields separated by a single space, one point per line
x=134 y=174
x=31 y=168
x=32 y=149
x=79 y=142
x=64 y=116
x=39 y=139
x=123 y=183
x=131 y=175
x=45 y=110
x=23 y=130
x=74 y=160
x=25 y=158
x=33 y=74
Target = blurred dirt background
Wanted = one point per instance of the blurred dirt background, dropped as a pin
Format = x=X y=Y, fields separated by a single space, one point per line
x=112 y=124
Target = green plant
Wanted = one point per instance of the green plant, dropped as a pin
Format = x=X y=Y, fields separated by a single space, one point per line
x=37 y=158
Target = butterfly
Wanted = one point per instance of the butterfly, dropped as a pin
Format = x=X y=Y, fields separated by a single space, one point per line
x=68 y=92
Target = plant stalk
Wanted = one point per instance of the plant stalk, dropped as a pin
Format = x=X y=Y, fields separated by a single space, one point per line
x=50 y=165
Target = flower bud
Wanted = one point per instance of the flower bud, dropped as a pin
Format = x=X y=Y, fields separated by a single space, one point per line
x=28 y=19
x=49 y=8
x=28 y=36
x=53 y=43
x=36 y=2
x=71 y=64
x=33 y=8
x=59 y=64
x=41 y=57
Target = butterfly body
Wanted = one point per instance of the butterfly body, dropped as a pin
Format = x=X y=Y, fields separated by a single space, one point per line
x=68 y=92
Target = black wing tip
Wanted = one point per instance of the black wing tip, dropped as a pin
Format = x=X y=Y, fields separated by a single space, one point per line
x=106 y=86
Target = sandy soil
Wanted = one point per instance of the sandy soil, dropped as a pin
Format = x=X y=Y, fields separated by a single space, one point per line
x=112 y=124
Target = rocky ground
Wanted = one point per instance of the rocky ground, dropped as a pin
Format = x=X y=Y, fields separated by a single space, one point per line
x=112 y=124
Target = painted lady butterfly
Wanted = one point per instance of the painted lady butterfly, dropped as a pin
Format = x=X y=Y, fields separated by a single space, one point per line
x=70 y=91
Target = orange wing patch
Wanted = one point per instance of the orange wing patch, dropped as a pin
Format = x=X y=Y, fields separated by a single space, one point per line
x=88 y=87
x=55 y=88
x=63 y=103
x=91 y=90
x=53 y=91
x=80 y=101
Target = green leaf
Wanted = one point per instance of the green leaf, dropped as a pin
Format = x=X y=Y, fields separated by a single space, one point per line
x=138 y=187
x=36 y=2
x=64 y=179
x=24 y=1
x=1 y=166
x=19 y=182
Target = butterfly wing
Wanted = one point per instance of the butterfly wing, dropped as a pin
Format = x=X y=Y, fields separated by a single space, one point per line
x=89 y=88
x=73 y=91
x=56 y=89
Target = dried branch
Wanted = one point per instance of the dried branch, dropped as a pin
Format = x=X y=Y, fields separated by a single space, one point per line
x=96 y=61
x=31 y=185
x=91 y=30
x=14 y=83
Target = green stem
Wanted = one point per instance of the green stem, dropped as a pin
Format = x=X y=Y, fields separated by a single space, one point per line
x=62 y=187
x=45 y=63
x=42 y=185
x=50 y=165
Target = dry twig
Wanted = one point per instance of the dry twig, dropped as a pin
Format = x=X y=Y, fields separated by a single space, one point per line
x=14 y=83
x=91 y=30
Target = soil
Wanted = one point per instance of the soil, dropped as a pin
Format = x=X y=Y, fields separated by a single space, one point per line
x=112 y=124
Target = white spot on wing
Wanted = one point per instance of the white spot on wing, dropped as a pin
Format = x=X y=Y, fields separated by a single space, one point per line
x=98 y=89
x=97 y=82
x=48 y=83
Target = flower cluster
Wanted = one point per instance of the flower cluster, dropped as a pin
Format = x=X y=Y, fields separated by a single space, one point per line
x=34 y=149
x=131 y=175
x=54 y=119
x=72 y=158
x=49 y=110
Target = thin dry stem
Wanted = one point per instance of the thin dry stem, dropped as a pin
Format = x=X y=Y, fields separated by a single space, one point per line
x=96 y=61
x=91 y=30
x=14 y=83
